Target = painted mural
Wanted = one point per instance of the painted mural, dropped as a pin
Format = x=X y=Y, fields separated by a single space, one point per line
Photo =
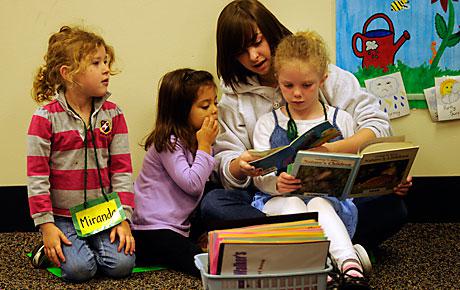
x=419 y=38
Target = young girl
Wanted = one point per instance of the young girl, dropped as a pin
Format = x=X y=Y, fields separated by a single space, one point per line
x=301 y=67
x=247 y=35
x=78 y=151
x=175 y=169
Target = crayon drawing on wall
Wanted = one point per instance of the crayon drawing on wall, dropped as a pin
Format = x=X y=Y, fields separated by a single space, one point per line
x=419 y=38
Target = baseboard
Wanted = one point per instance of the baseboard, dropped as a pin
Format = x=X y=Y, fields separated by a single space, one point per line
x=17 y=217
x=431 y=199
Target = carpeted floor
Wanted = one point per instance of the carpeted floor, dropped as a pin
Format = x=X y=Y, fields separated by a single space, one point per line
x=420 y=256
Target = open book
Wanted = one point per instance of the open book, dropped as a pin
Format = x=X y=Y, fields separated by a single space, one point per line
x=379 y=166
x=279 y=158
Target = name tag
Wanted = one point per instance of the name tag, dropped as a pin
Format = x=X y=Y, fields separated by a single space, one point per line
x=98 y=215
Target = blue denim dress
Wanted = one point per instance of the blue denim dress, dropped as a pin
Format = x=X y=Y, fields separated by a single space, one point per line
x=345 y=209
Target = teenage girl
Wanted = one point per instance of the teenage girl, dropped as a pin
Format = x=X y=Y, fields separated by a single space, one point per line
x=247 y=35
x=301 y=67
x=175 y=169
x=78 y=151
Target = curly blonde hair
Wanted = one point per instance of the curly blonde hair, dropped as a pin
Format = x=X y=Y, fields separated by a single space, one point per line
x=305 y=46
x=73 y=47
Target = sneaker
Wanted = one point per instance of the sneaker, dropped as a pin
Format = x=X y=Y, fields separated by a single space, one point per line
x=39 y=259
x=363 y=259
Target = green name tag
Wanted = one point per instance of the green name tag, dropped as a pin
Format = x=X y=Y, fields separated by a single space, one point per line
x=98 y=215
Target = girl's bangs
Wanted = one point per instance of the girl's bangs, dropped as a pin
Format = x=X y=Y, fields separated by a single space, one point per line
x=242 y=35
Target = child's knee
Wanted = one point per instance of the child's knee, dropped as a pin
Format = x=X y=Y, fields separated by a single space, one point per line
x=317 y=203
x=284 y=205
x=121 y=266
x=78 y=270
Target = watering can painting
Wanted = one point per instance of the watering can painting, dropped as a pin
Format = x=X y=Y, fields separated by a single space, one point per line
x=378 y=47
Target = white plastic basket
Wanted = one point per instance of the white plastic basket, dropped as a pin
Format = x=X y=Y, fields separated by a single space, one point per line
x=300 y=280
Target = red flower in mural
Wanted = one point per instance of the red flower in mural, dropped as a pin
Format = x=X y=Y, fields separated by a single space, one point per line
x=443 y=3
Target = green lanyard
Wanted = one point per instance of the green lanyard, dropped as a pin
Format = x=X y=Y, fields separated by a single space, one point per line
x=291 y=125
x=85 y=141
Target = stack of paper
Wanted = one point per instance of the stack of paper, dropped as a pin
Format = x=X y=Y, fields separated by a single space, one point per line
x=444 y=98
x=268 y=249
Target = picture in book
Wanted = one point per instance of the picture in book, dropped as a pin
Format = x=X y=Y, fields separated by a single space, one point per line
x=375 y=170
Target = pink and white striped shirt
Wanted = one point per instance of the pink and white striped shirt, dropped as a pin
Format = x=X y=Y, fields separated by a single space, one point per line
x=56 y=154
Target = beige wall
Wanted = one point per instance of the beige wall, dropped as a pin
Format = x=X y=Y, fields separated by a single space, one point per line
x=152 y=37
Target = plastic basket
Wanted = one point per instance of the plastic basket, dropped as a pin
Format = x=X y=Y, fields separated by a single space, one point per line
x=292 y=281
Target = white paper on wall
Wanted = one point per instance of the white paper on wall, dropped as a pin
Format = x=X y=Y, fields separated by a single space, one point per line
x=391 y=93
x=448 y=97
x=430 y=96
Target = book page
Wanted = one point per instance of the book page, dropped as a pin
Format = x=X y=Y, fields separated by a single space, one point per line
x=381 y=140
x=386 y=146
x=382 y=170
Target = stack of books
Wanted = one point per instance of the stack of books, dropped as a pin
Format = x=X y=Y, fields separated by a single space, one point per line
x=286 y=247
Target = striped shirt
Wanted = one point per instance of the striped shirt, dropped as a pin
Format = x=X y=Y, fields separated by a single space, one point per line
x=56 y=158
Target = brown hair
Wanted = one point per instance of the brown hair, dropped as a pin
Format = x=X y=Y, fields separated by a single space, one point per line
x=237 y=30
x=307 y=47
x=73 y=47
x=178 y=90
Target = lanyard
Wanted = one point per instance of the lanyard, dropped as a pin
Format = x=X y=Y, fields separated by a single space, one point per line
x=291 y=125
x=85 y=141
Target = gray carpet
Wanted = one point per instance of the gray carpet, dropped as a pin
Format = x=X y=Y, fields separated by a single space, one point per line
x=420 y=256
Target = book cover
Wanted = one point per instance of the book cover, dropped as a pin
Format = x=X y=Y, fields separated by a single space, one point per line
x=272 y=258
x=375 y=170
x=281 y=157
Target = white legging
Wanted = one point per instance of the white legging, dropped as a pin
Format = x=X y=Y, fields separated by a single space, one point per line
x=341 y=247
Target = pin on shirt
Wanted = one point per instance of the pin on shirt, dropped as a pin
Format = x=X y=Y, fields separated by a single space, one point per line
x=106 y=127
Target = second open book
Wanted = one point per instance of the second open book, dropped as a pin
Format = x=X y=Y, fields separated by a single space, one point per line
x=378 y=167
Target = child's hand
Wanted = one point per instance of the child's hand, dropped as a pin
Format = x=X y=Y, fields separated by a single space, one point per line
x=403 y=187
x=207 y=134
x=322 y=148
x=126 y=238
x=52 y=237
x=287 y=183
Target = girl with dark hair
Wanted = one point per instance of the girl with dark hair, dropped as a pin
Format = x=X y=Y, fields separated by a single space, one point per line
x=175 y=169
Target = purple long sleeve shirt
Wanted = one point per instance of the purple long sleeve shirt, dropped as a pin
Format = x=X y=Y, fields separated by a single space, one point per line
x=169 y=187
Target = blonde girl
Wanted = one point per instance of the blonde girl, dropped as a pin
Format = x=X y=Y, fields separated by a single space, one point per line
x=78 y=151
x=301 y=68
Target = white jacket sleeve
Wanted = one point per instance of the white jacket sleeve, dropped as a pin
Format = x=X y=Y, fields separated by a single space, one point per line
x=262 y=132
x=232 y=140
x=342 y=90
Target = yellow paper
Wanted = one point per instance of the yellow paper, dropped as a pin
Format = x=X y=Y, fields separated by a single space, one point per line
x=97 y=217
